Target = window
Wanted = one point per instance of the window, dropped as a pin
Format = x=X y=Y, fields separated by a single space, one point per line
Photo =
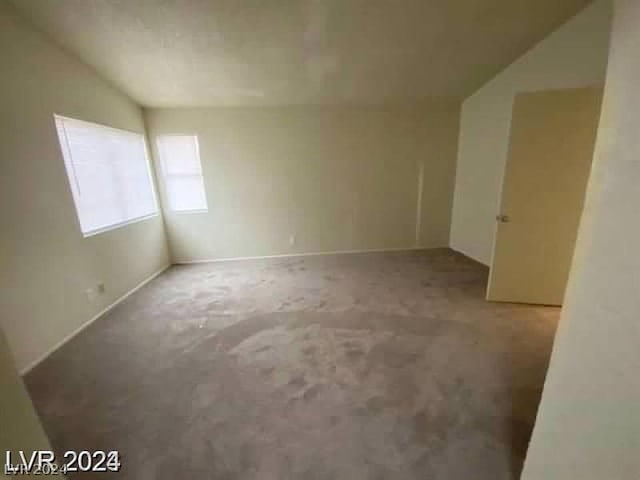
x=108 y=173
x=182 y=172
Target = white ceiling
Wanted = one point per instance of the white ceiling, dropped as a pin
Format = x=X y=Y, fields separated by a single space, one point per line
x=275 y=52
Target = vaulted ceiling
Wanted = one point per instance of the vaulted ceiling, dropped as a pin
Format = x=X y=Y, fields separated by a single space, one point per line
x=283 y=52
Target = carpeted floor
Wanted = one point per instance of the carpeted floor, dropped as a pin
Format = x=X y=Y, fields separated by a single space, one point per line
x=377 y=366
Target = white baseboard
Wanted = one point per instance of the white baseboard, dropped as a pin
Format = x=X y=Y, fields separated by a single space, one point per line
x=311 y=254
x=31 y=365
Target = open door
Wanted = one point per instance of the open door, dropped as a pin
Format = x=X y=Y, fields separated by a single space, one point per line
x=553 y=135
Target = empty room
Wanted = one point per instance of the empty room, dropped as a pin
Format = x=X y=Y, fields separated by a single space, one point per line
x=320 y=239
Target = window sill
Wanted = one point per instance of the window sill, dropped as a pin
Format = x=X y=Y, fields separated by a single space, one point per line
x=188 y=212
x=115 y=226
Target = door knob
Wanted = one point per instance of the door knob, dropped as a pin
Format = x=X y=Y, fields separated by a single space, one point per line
x=503 y=218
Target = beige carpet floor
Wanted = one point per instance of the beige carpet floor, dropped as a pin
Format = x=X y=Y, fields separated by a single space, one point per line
x=346 y=367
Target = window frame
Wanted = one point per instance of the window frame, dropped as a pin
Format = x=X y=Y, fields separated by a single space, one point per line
x=166 y=176
x=67 y=157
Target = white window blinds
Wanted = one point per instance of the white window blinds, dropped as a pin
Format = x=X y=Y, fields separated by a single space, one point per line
x=108 y=173
x=182 y=173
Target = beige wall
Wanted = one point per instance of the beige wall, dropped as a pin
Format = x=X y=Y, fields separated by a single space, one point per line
x=45 y=263
x=336 y=178
x=21 y=429
x=588 y=425
x=574 y=56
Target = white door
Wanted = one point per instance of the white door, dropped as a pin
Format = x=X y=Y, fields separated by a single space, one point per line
x=553 y=135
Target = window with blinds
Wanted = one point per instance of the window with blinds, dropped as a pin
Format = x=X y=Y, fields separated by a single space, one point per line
x=109 y=174
x=182 y=173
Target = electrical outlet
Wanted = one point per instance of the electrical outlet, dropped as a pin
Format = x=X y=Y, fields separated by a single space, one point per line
x=93 y=292
x=292 y=240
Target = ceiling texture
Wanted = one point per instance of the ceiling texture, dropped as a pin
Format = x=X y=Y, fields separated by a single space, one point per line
x=178 y=53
